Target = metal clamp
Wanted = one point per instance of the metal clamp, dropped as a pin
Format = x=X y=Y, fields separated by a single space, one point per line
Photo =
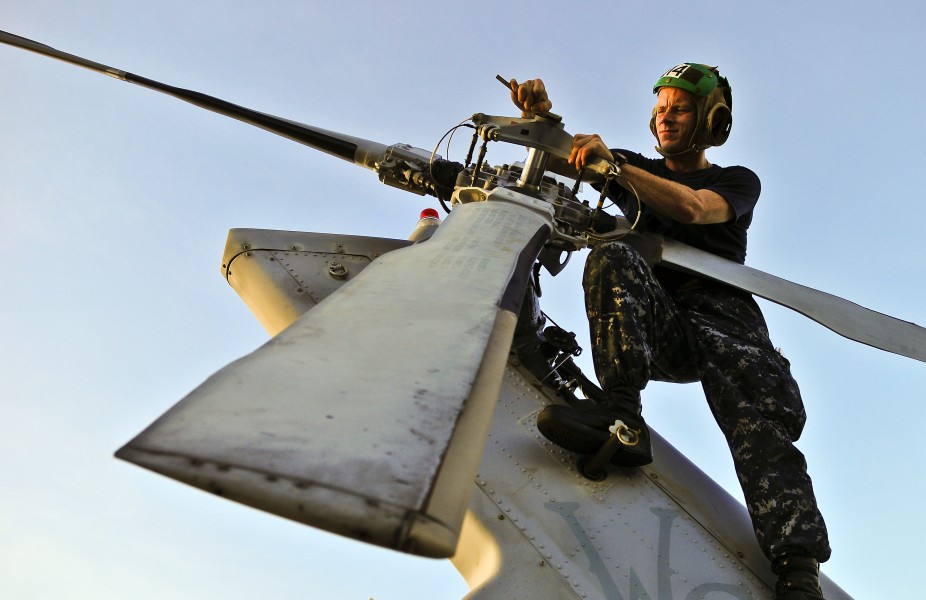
x=621 y=436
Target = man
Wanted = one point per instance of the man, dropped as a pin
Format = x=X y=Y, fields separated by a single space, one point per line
x=650 y=323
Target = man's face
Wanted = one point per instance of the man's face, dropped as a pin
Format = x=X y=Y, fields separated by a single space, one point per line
x=676 y=118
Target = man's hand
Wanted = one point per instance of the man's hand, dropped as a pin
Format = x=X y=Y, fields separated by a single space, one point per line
x=585 y=148
x=530 y=96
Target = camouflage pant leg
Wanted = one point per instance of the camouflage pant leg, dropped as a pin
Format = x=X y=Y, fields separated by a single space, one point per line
x=758 y=406
x=706 y=331
x=637 y=334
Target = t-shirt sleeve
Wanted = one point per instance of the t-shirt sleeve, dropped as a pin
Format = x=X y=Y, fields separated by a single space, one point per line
x=740 y=187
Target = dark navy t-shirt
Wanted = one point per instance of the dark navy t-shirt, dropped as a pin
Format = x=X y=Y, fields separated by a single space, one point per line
x=739 y=186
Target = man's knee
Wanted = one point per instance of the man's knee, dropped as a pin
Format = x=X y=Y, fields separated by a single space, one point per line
x=612 y=269
x=613 y=262
x=613 y=252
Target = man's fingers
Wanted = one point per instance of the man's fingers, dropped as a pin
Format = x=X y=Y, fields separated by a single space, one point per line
x=573 y=154
x=576 y=156
x=531 y=96
x=513 y=84
x=541 y=102
x=537 y=88
x=526 y=95
x=586 y=147
x=542 y=106
x=582 y=156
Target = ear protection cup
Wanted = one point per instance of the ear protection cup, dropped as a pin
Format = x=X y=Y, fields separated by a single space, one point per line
x=718 y=124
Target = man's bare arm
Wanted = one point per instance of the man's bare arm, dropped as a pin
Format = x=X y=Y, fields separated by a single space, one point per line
x=676 y=201
x=668 y=198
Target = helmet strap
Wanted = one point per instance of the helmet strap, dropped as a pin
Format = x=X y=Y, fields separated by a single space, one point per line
x=670 y=155
x=693 y=144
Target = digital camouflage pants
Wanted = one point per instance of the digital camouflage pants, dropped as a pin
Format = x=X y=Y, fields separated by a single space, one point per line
x=695 y=330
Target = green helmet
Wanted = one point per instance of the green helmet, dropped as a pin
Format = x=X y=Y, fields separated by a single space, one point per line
x=714 y=100
x=698 y=79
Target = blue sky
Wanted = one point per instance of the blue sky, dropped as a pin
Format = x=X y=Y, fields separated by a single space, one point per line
x=115 y=202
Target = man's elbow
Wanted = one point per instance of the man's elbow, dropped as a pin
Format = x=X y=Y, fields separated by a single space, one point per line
x=689 y=214
x=702 y=210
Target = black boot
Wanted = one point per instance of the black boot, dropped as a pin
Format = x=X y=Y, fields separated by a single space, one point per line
x=585 y=431
x=798 y=578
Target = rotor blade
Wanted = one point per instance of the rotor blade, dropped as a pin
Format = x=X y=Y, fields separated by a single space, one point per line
x=368 y=416
x=842 y=316
x=357 y=150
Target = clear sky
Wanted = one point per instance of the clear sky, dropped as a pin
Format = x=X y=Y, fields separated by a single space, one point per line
x=115 y=202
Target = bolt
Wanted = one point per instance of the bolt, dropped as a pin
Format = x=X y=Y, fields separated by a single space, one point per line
x=337 y=270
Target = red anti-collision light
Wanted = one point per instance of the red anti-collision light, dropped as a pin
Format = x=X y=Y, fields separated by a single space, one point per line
x=429 y=213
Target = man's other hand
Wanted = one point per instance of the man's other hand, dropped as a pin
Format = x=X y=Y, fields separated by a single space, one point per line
x=585 y=148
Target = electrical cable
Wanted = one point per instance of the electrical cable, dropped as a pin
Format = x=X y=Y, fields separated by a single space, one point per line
x=449 y=132
x=610 y=237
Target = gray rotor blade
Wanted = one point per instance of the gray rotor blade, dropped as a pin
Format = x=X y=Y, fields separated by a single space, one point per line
x=842 y=316
x=357 y=150
x=367 y=417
